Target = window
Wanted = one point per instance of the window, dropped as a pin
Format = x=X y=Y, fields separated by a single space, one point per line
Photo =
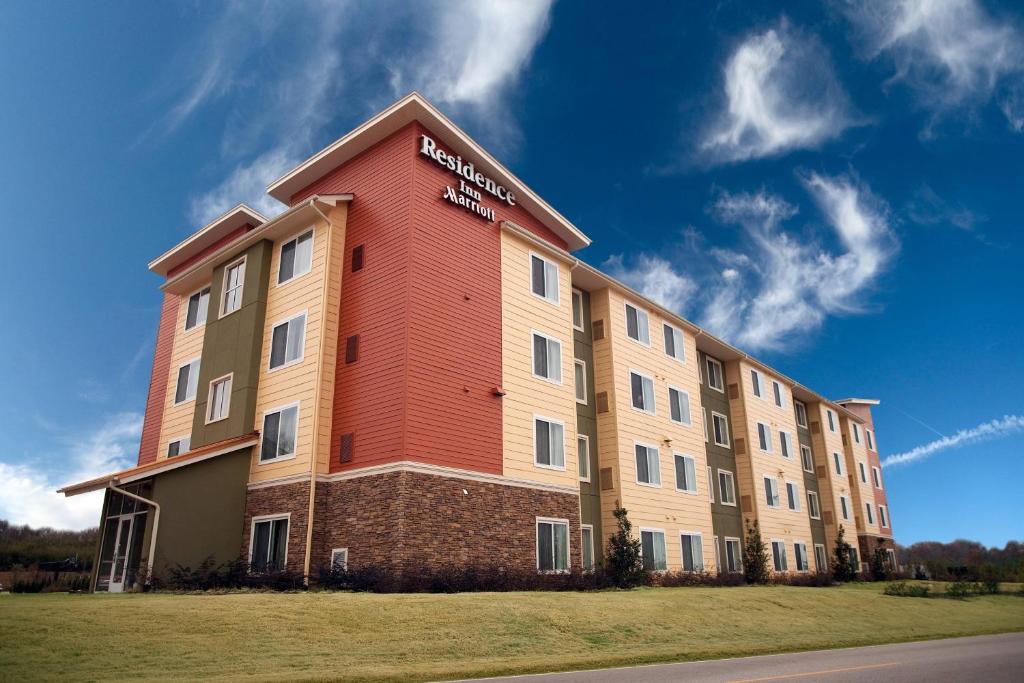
x=581 y=381
x=339 y=560
x=552 y=545
x=845 y=507
x=838 y=459
x=813 y=507
x=705 y=421
x=547 y=358
x=764 y=437
x=755 y=380
x=219 y=400
x=801 y=413
x=771 y=492
x=779 y=556
x=716 y=378
x=777 y=391
x=648 y=468
x=871 y=513
x=863 y=473
x=733 y=555
x=636 y=325
x=188 y=382
x=807 y=459
x=876 y=476
x=198 y=304
x=674 y=343
x=793 y=496
x=544 y=278
x=800 y=553
x=234 y=278
x=182 y=444
x=583 y=456
x=854 y=559
x=718 y=560
x=720 y=429
x=831 y=420
x=871 y=439
x=549 y=443
x=269 y=545
x=693 y=552
x=652 y=549
x=787 y=444
x=856 y=432
x=820 y=558
x=686 y=474
x=891 y=555
x=587 y=538
x=726 y=487
x=883 y=516
x=296 y=257
x=287 y=341
x=279 y=431
x=577 y=309
x=679 y=405
x=642 y=388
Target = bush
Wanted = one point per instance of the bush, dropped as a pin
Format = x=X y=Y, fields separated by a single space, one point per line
x=755 y=555
x=33 y=585
x=907 y=590
x=961 y=589
x=674 y=579
x=229 y=575
x=622 y=558
x=807 y=579
x=842 y=563
x=990 y=587
x=455 y=579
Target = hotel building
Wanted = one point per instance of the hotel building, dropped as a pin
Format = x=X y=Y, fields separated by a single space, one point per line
x=408 y=366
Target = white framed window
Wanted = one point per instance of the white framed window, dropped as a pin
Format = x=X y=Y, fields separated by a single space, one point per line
x=876 y=477
x=733 y=555
x=856 y=432
x=234 y=279
x=181 y=445
x=296 y=257
x=711 y=489
x=838 y=460
x=686 y=473
x=674 y=343
x=188 y=382
x=764 y=437
x=280 y=430
x=716 y=378
x=786 y=442
x=642 y=391
x=652 y=549
x=726 y=487
x=801 y=413
x=198 y=307
x=583 y=454
x=820 y=558
x=548 y=443
x=705 y=411
x=544 y=278
x=778 y=394
x=844 y=505
x=648 y=465
x=577 y=309
x=831 y=420
x=218 y=403
x=755 y=382
x=637 y=326
x=883 y=516
x=813 y=505
x=863 y=473
x=806 y=459
x=268 y=542
x=720 y=429
x=547 y=358
x=587 y=540
x=793 y=496
x=692 y=546
x=871 y=513
x=679 y=406
x=339 y=560
x=718 y=560
x=287 y=342
x=871 y=439
x=552 y=545
x=771 y=491
x=800 y=554
x=779 y=556
x=580 y=376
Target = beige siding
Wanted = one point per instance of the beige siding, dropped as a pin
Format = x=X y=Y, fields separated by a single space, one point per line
x=187 y=346
x=832 y=485
x=857 y=457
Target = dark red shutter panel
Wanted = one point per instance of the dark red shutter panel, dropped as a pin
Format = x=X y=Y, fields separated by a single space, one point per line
x=346 y=447
x=357 y=258
x=352 y=349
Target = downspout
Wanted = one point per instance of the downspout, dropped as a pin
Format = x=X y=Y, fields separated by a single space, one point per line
x=156 y=527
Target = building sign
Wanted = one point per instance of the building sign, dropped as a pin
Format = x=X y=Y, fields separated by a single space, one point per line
x=466 y=195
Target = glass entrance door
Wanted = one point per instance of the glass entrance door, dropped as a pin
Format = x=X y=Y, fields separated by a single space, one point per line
x=122 y=547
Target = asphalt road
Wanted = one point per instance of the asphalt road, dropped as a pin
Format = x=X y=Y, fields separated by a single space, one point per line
x=988 y=659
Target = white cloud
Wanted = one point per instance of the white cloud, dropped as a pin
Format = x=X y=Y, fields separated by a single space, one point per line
x=781 y=94
x=926 y=207
x=1005 y=426
x=654 y=278
x=29 y=496
x=951 y=52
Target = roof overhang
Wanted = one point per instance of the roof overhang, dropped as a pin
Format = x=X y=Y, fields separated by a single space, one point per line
x=414 y=107
x=206 y=237
x=861 y=401
x=159 y=467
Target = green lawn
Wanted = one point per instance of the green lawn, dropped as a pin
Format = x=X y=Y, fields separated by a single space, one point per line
x=422 y=637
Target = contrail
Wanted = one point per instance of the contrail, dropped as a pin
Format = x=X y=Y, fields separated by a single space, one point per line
x=1008 y=424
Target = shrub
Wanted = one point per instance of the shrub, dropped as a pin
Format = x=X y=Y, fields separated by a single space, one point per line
x=675 y=579
x=961 y=589
x=622 y=560
x=237 y=574
x=755 y=555
x=990 y=587
x=807 y=579
x=456 y=579
x=907 y=590
x=33 y=585
x=842 y=563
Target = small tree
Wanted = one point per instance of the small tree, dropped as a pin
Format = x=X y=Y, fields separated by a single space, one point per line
x=625 y=568
x=755 y=555
x=842 y=564
x=880 y=562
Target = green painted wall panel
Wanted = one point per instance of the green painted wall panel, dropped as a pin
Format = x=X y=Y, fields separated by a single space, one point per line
x=726 y=520
x=586 y=424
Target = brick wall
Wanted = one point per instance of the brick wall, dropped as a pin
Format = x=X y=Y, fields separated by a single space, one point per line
x=278 y=500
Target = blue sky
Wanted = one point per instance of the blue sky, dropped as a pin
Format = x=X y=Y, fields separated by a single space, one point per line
x=835 y=188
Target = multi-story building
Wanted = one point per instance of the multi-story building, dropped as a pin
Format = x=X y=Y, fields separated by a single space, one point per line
x=408 y=366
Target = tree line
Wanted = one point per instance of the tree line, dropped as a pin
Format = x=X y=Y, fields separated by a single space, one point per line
x=23 y=546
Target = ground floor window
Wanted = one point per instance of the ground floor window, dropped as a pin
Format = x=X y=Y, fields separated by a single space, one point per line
x=820 y=559
x=652 y=549
x=339 y=559
x=891 y=555
x=733 y=555
x=693 y=552
x=800 y=551
x=269 y=543
x=553 y=545
x=779 y=556
x=587 y=534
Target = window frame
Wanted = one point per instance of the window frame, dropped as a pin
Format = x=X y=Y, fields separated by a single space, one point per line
x=863 y=472
x=796 y=495
x=796 y=556
x=688 y=422
x=654 y=395
x=883 y=517
x=178 y=440
x=583 y=547
x=738 y=555
x=681 y=350
x=338 y=551
x=837 y=462
x=714 y=436
x=831 y=419
x=311 y=230
x=269 y=518
x=732 y=487
x=224 y=287
x=547 y=349
x=177 y=376
x=263 y=431
x=586 y=439
x=556 y=301
x=626 y=305
x=871 y=439
x=800 y=408
x=820 y=563
x=229 y=378
x=664 y=545
x=549 y=420
x=188 y=300
x=871 y=512
x=776 y=495
x=700 y=544
x=576 y=363
x=816 y=505
x=767 y=436
x=693 y=461
x=778 y=394
x=844 y=508
x=856 y=432
x=876 y=477
x=577 y=295
x=782 y=556
x=785 y=444
x=721 y=373
x=568 y=544
x=657 y=460
x=304 y=314
x=757 y=384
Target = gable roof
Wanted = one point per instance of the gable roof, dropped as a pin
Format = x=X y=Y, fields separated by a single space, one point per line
x=207 y=237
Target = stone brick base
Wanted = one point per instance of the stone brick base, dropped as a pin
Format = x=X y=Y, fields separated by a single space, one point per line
x=290 y=499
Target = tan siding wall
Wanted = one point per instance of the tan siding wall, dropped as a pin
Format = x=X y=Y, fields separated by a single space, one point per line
x=177 y=420
x=857 y=456
x=823 y=444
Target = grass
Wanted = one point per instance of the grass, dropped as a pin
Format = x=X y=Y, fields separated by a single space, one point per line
x=328 y=636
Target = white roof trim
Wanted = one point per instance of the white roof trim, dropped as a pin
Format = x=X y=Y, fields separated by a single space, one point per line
x=207 y=235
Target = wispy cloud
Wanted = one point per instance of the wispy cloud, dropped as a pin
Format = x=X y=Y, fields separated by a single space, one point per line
x=1004 y=426
x=28 y=494
x=775 y=287
x=926 y=207
x=780 y=94
x=952 y=53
